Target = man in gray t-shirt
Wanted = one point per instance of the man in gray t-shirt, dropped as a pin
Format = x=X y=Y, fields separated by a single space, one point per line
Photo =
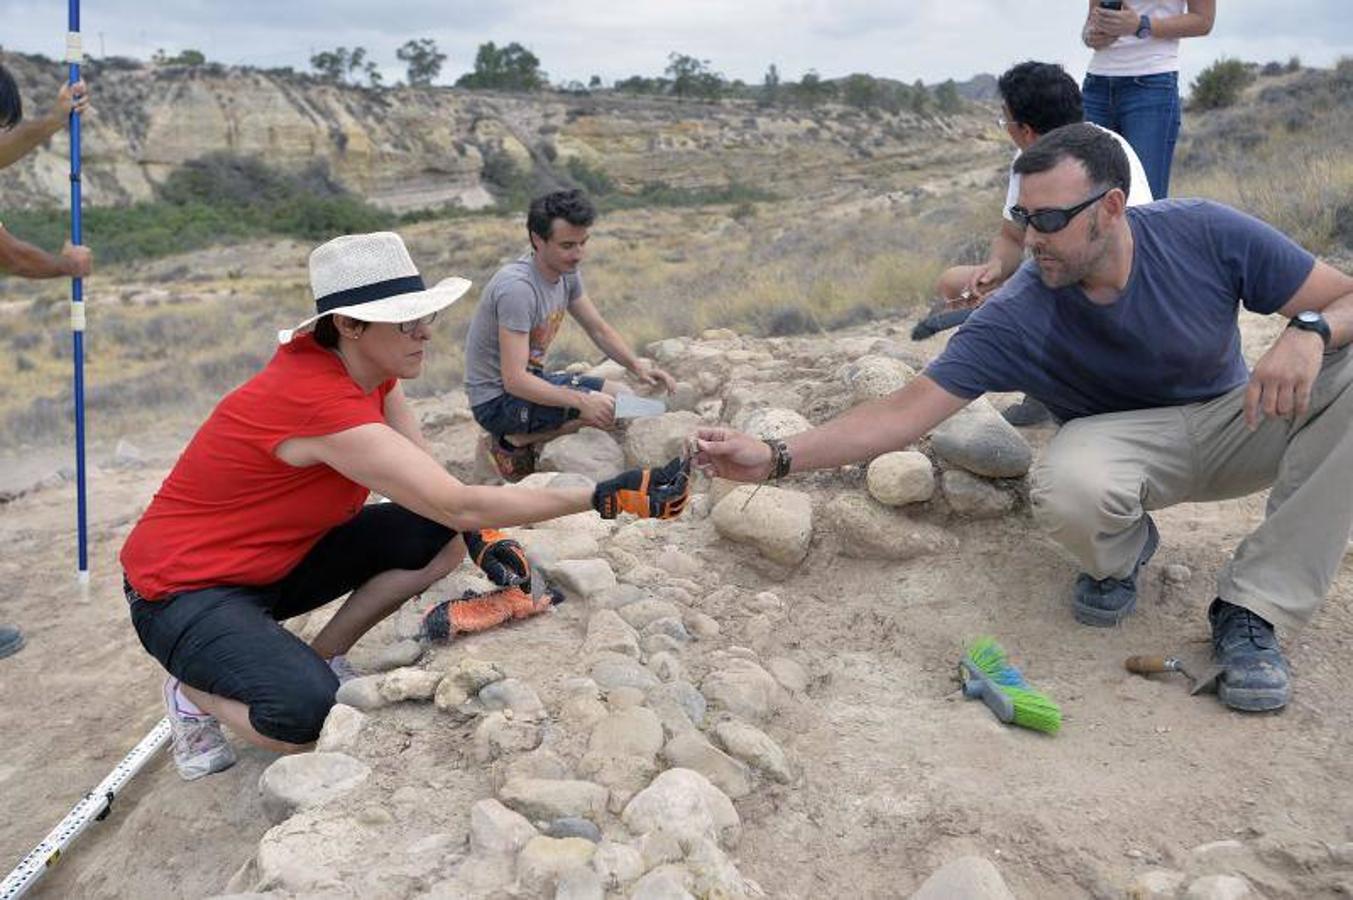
x=514 y=399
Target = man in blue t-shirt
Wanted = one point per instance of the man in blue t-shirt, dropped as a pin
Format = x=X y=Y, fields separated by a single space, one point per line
x=1124 y=324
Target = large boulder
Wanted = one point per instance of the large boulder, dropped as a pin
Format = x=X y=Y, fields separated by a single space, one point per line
x=901 y=477
x=607 y=632
x=583 y=578
x=754 y=747
x=654 y=440
x=871 y=377
x=867 y=530
x=590 y=452
x=299 y=782
x=496 y=830
x=744 y=689
x=979 y=440
x=776 y=521
x=544 y=861
x=684 y=804
x=974 y=497
x=969 y=877
x=771 y=422
x=545 y=798
x=690 y=750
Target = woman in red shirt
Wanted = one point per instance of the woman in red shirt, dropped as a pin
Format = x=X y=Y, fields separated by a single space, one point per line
x=264 y=516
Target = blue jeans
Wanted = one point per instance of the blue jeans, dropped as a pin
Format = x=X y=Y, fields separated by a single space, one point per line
x=1144 y=109
x=506 y=414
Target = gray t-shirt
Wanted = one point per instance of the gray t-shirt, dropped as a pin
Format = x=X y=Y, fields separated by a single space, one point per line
x=517 y=298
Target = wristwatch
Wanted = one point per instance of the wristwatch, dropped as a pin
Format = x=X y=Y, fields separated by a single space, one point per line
x=1310 y=320
x=1144 y=27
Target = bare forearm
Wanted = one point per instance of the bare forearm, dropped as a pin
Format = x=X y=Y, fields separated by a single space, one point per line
x=1339 y=316
x=537 y=390
x=859 y=435
x=27 y=261
x=480 y=506
x=23 y=137
x=890 y=423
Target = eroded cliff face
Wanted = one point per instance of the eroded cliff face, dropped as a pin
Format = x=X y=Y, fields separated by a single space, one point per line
x=407 y=148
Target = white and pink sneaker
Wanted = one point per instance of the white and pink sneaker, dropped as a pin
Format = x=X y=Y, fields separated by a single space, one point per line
x=200 y=746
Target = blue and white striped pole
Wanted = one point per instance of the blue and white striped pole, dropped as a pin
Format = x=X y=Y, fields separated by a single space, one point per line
x=74 y=56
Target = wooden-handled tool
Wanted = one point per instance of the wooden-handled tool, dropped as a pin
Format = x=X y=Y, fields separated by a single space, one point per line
x=1153 y=665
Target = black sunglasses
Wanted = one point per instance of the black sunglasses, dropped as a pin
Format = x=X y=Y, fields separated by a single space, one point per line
x=1047 y=221
x=412 y=324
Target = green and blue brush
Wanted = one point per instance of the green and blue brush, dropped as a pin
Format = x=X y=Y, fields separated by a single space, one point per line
x=988 y=676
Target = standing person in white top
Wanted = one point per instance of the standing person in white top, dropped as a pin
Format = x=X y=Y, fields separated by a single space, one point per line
x=1036 y=97
x=1132 y=82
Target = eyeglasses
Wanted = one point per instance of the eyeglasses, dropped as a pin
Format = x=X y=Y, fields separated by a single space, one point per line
x=1047 y=221
x=1004 y=122
x=411 y=326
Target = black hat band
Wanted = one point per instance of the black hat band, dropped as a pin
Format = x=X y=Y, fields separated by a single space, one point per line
x=367 y=293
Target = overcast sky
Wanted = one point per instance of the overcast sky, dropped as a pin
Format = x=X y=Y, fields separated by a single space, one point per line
x=927 y=39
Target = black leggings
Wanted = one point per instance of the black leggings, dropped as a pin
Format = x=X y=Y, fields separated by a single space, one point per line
x=227 y=640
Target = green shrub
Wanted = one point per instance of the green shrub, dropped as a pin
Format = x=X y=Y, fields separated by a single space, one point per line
x=592 y=179
x=211 y=200
x=1220 y=84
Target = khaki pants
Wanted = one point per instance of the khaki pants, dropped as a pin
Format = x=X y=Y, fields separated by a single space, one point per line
x=1100 y=475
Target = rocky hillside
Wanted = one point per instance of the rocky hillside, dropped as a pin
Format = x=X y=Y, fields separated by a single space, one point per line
x=407 y=148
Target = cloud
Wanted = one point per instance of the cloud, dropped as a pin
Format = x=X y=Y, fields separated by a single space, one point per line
x=930 y=40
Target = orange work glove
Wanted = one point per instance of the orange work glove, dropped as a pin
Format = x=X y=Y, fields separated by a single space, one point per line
x=646 y=493
x=502 y=559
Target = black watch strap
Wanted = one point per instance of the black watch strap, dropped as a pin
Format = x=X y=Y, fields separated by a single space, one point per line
x=1312 y=321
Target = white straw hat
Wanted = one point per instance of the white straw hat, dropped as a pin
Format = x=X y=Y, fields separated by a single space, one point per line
x=372 y=278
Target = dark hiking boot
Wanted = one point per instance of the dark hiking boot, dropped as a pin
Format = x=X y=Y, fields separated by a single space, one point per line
x=1104 y=602
x=11 y=640
x=1255 y=677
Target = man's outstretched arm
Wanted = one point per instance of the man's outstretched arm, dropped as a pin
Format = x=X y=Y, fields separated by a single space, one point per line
x=20 y=139
x=27 y=261
x=609 y=341
x=862 y=433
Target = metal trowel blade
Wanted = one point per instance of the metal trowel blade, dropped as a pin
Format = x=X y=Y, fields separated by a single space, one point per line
x=632 y=406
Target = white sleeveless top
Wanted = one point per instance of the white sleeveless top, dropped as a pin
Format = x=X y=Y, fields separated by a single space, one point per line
x=1132 y=55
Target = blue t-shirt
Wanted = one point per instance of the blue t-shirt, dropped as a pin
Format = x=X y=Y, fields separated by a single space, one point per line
x=1171 y=338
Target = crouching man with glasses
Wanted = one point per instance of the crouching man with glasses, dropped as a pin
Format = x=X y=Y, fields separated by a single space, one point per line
x=1124 y=323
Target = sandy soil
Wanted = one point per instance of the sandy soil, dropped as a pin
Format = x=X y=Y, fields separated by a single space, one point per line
x=898 y=774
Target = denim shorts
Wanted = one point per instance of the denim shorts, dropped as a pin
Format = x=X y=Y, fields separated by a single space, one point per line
x=227 y=640
x=506 y=414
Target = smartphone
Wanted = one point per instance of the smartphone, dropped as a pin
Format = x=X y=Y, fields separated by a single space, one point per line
x=1110 y=4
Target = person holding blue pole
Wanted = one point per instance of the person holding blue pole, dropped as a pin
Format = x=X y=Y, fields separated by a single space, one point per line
x=17 y=257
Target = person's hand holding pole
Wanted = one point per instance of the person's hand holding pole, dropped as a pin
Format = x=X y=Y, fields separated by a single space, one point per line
x=72 y=98
x=78 y=258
